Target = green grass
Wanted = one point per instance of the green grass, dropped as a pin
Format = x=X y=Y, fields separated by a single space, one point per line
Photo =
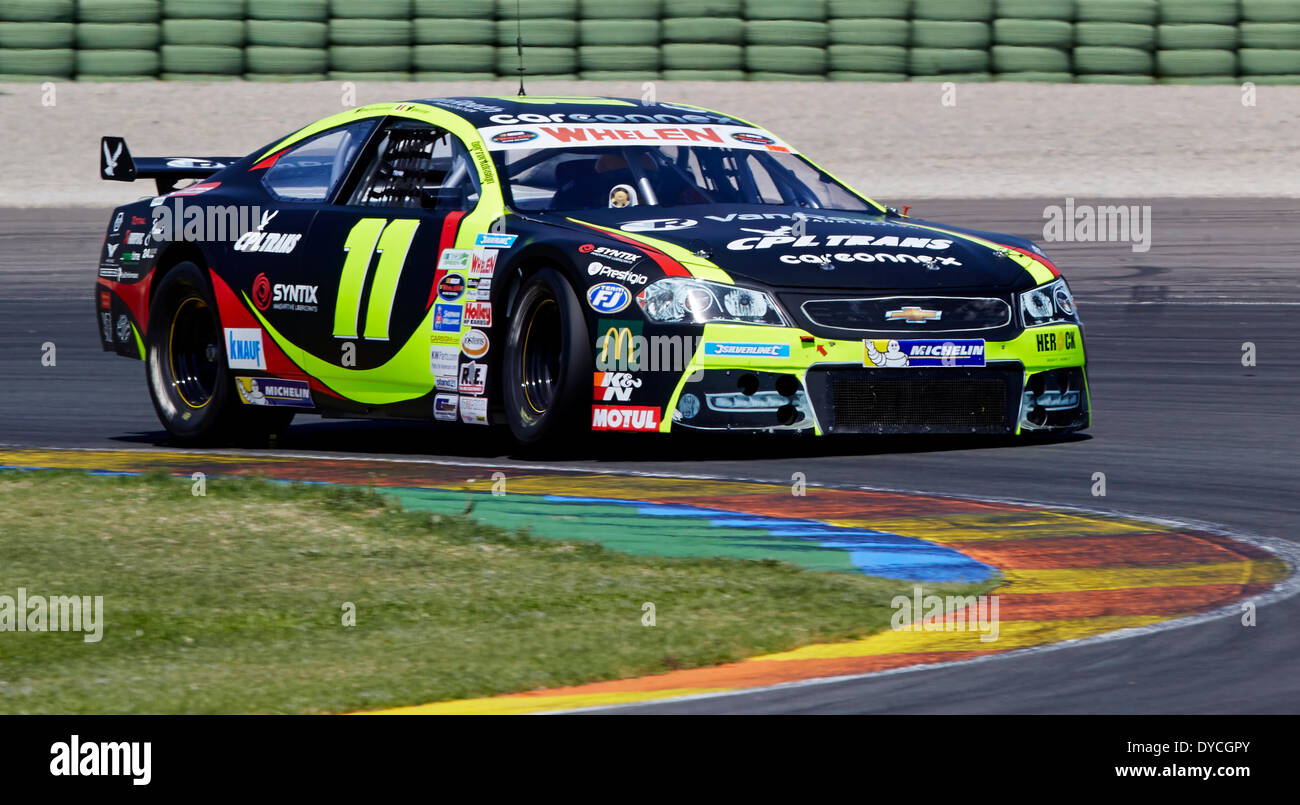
x=232 y=602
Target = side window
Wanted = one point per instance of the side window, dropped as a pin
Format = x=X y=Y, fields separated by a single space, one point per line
x=418 y=166
x=310 y=170
x=764 y=185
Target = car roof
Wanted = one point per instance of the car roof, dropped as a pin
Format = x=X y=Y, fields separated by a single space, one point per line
x=489 y=111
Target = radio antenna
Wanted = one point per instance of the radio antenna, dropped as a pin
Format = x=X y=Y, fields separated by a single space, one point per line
x=519 y=47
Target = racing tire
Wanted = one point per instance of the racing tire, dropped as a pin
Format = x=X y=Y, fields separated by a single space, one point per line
x=867 y=58
x=304 y=10
x=628 y=58
x=786 y=32
x=37 y=35
x=784 y=10
x=224 y=33
x=1270 y=11
x=1113 y=60
x=622 y=10
x=951 y=34
x=551 y=33
x=976 y=10
x=202 y=59
x=1188 y=63
x=117 y=62
x=118 y=36
x=192 y=391
x=1196 y=36
x=1113 y=78
x=431 y=31
x=861 y=75
x=116 y=10
x=348 y=31
x=691 y=56
x=537 y=61
x=785 y=59
x=703 y=8
x=1276 y=35
x=1033 y=33
x=38 y=11
x=1115 y=35
x=1142 y=12
x=435 y=76
x=548 y=361
x=202 y=9
x=287 y=34
x=454 y=9
x=702 y=30
x=1260 y=61
x=944 y=61
x=370 y=58
x=1034 y=10
x=896 y=9
x=1215 y=11
x=595 y=32
x=370 y=9
x=1035 y=76
x=60 y=62
x=537 y=9
x=1021 y=59
x=869 y=32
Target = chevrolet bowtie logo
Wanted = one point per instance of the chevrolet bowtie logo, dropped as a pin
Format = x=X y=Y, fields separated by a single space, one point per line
x=913 y=315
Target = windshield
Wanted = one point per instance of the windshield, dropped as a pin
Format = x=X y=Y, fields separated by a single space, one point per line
x=617 y=176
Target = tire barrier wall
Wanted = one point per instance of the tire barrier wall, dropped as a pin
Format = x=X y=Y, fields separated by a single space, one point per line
x=1082 y=41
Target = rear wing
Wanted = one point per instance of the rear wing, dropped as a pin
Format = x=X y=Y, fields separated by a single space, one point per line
x=117 y=165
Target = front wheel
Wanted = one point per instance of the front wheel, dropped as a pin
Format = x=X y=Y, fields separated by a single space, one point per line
x=192 y=390
x=546 y=382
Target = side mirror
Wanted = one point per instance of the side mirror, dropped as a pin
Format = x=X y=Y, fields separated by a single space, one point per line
x=445 y=198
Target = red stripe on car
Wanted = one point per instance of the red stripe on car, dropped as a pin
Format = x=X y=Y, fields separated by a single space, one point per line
x=666 y=264
x=450 y=226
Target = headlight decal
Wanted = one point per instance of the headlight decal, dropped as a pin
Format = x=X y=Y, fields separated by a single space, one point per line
x=1048 y=304
x=684 y=301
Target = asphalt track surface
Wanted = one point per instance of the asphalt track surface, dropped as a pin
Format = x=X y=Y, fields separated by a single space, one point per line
x=1181 y=430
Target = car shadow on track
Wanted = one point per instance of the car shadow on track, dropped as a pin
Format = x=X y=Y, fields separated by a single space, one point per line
x=419 y=440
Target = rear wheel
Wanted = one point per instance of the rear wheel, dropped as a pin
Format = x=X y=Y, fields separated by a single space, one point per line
x=193 y=392
x=546 y=382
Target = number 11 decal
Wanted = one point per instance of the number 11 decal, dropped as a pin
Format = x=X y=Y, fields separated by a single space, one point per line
x=391 y=240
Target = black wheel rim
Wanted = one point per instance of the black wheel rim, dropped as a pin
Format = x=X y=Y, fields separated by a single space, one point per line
x=195 y=350
x=540 y=361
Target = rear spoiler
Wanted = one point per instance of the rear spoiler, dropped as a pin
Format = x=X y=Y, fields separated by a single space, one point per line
x=117 y=165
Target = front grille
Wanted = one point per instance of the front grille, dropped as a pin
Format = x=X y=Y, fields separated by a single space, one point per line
x=932 y=314
x=949 y=400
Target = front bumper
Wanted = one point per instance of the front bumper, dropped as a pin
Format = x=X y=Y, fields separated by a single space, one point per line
x=790 y=380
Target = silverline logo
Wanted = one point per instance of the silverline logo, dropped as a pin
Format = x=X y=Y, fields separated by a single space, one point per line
x=73 y=758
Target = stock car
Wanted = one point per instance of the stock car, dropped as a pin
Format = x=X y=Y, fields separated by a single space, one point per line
x=565 y=265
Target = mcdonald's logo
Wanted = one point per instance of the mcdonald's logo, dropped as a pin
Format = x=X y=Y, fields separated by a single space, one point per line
x=617 y=344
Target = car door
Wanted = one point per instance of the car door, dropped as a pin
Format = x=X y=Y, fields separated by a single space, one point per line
x=279 y=262
x=380 y=243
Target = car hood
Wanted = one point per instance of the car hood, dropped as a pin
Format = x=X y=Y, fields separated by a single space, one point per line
x=836 y=250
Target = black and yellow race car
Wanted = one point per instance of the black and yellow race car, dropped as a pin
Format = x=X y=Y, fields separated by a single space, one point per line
x=562 y=263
